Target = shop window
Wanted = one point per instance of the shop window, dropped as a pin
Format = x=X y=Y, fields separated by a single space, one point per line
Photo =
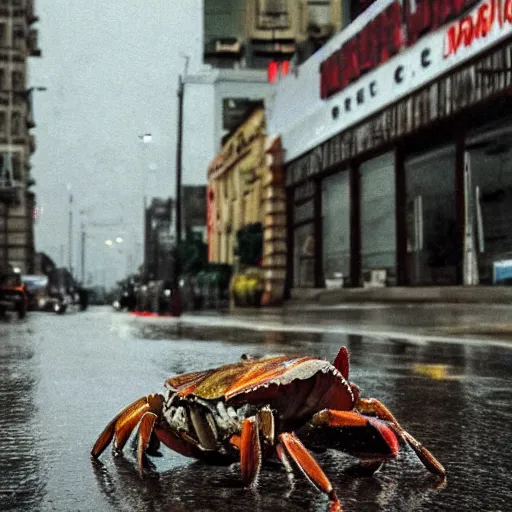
x=336 y=229
x=378 y=230
x=489 y=183
x=304 y=211
x=432 y=247
x=304 y=256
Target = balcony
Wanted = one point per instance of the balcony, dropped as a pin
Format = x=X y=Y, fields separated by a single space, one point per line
x=9 y=190
x=33 y=49
x=30 y=13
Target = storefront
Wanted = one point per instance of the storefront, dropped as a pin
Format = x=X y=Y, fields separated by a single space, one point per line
x=247 y=201
x=399 y=161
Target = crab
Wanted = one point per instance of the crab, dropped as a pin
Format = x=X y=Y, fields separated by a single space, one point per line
x=257 y=409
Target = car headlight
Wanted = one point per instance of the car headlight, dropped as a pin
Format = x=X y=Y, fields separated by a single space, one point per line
x=167 y=293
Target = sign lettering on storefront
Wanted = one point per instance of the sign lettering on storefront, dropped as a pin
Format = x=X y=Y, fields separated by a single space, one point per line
x=398 y=26
x=445 y=97
x=352 y=87
x=478 y=24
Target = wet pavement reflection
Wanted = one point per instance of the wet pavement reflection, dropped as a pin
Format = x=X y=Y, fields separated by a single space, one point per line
x=62 y=378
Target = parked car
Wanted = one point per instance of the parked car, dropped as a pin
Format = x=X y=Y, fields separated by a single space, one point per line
x=12 y=294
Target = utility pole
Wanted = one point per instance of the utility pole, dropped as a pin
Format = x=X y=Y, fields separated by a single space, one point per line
x=179 y=145
x=176 y=306
x=82 y=254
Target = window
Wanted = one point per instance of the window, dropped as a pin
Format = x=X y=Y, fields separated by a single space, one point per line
x=16 y=130
x=3 y=34
x=272 y=14
x=489 y=183
x=336 y=228
x=3 y=124
x=378 y=232
x=17 y=80
x=2 y=79
x=304 y=256
x=17 y=173
x=18 y=35
x=5 y=169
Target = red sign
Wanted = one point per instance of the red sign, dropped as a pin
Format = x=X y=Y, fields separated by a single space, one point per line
x=276 y=69
x=383 y=37
x=477 y=25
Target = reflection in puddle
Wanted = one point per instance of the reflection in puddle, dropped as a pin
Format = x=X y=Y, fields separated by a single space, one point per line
x=200 y=487
x=22 y=481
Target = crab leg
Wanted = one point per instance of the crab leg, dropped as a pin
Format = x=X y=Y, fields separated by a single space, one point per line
x=124 y=423
x=147 y=423
x=309 y=466
x=250 y=451
x=373 y=406
x=341 y=419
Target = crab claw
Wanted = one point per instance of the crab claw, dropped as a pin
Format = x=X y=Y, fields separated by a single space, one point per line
x=123 y=424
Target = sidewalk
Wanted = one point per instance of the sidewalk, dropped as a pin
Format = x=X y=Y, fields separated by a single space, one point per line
x=431 y=321
x=405 y=294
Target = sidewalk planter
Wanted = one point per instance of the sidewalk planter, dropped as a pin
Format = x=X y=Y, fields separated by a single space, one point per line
x=212 y=285
x=247 y=288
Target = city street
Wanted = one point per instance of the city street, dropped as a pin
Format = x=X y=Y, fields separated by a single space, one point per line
x=63 y=377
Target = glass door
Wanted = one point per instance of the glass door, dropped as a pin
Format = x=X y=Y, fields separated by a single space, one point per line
x=432 y=249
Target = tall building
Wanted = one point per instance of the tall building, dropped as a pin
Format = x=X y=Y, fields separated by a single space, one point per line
x=18 y=40
x=247 y=45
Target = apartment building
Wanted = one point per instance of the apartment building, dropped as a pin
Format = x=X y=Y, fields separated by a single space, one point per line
x=18 y=40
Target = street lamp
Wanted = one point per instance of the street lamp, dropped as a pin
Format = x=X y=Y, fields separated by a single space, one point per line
x=145 y=138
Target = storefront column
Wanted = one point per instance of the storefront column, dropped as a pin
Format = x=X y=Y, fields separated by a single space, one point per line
x=401 y=220
x=355 y=226
x=459 y=199
x=317 y=208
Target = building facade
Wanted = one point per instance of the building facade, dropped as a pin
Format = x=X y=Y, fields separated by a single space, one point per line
x=246 y=188
x=399 y=150
x=18 y=40
x=247 y=45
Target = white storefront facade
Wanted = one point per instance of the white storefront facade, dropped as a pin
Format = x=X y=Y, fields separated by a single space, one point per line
x=398 y=148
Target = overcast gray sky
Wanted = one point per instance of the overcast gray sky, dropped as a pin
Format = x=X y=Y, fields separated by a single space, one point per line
x=111 y=69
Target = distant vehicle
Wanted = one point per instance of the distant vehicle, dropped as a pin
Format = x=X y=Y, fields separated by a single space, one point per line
x=126 y=295
x=12 y=294
x=56 y=292
x=36 y=290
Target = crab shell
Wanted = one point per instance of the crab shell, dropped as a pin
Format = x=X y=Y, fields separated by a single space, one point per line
x=295 y=387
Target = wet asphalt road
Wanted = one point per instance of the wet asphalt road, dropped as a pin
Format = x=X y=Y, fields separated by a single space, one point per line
x=62 y=378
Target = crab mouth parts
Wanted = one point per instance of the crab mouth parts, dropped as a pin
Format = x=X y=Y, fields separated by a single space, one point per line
x=209 y=423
